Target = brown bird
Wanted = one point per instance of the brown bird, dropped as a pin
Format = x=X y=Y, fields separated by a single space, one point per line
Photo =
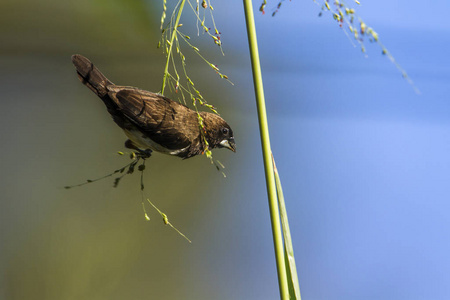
x=152 y=121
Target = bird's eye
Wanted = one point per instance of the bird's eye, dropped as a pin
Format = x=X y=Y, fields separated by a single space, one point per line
x=225 y=130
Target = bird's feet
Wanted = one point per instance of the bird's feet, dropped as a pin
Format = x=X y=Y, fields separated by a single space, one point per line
x=144 y=153
x=139 y=152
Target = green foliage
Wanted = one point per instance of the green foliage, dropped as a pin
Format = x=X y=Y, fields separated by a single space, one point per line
x=172 y=41
x=291 y=269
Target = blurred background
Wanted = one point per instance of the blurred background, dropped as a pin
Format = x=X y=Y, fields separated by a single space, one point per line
x=364 y=160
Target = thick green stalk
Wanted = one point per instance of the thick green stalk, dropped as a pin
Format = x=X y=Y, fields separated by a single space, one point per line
x=174 y=33
x=265 y=143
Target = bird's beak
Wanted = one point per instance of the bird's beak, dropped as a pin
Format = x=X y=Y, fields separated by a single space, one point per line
x=229 y=144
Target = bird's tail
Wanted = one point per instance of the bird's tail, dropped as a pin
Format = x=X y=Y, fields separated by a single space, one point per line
x=90 y=75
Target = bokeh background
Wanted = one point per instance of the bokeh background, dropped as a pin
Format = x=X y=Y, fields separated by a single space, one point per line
x=364 y=160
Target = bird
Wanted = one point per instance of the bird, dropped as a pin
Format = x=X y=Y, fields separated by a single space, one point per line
x=153 y=122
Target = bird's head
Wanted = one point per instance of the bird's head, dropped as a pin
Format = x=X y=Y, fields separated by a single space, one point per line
x=218 y=132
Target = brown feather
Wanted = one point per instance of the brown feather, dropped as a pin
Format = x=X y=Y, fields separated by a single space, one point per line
x=152 y=121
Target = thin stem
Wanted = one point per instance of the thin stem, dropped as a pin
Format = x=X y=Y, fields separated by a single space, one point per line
x=174 y=33
x=265 y=143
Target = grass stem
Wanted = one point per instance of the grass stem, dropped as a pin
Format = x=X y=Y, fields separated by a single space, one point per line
x=265 y=143
x=174 y=33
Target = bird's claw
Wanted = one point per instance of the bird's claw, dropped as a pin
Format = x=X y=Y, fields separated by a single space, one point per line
x=144 y=153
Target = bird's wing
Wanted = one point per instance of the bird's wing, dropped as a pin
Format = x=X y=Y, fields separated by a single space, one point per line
x=161 y=119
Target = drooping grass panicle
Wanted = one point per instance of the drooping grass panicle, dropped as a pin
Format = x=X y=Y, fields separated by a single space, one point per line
x=348 y=19
x=174 y=43
x=129 y=168
x=144 y=199
x=354 y=27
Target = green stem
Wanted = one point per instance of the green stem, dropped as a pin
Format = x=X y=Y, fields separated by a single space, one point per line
x=174 y=33
x=265 y=143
